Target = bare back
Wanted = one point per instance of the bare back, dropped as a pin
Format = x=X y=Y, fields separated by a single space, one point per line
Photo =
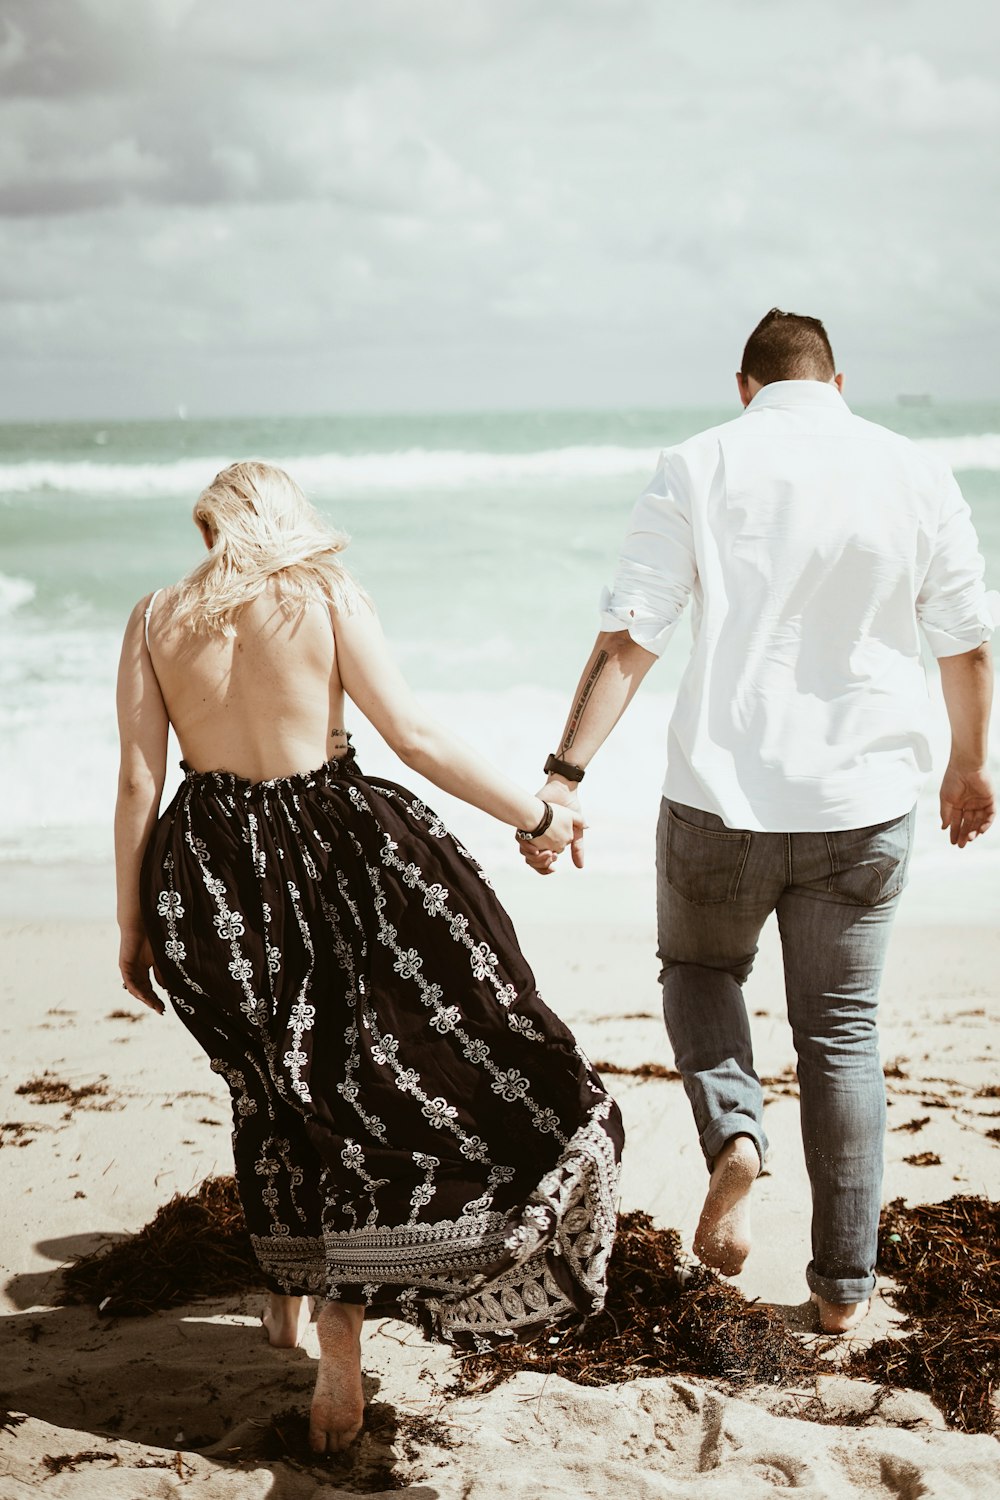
x=266 y=702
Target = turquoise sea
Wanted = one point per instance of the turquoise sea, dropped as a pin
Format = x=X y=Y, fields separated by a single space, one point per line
x=484 y=539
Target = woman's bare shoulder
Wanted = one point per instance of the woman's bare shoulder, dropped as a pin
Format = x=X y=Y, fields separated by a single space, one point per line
x=137 y=614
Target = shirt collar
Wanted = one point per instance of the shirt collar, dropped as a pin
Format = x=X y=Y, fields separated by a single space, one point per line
x=797 y=393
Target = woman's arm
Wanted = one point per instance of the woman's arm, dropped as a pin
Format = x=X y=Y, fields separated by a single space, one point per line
x=142 y=729
x=374 y=682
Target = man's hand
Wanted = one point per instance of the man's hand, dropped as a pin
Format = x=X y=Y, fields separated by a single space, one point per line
x=544 y=860
x=968 y=804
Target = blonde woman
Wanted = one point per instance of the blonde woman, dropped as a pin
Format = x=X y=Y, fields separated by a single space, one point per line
x=414 y=1130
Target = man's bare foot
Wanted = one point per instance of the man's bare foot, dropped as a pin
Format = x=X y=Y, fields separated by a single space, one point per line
x=338 y=1403
x=286 y=1319
x=722 y=1239
x=840 y=1317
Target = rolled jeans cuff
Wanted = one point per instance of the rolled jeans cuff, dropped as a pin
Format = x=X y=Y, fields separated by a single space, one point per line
x=722 y=1129
x=839 y=1289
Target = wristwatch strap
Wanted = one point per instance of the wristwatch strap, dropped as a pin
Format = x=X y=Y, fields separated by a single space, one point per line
x=557 y=767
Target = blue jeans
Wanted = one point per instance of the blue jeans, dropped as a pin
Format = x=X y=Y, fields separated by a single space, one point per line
x=835 y=895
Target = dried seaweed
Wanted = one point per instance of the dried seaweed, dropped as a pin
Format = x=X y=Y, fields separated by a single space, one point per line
x=52 y=1090
x=72 y=1461
x=785 y=1083
x=368 y=1466
x=945 y=1258
x=17 y=1133
x=629 y=1015
x=195 y=1246
x=775 y=1080
x=912 y=1126
x=660 y=1318
x=923 y=1159
x=285 y=1438
x=641 y=1070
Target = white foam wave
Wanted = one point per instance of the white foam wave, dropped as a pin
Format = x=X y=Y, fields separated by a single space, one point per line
x=58 y=762
x=972 y=451
x=326 y=473
x=14 y=592
x=130 y=481
x=410 y=469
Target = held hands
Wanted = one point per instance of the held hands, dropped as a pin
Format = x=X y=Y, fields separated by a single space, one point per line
x=135 y=960
x=968 y=804
x=566 y=828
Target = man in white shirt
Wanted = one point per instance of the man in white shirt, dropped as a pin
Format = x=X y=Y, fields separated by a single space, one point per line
x=814 y=547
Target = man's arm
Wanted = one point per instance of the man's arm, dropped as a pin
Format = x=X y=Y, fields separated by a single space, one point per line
x=968 y=804
x=653 y=581
x=614 y=670
x=956 y=616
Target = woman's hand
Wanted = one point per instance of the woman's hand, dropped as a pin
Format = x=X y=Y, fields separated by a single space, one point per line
x=566 y=828
x=540 y=854
x=135 y=960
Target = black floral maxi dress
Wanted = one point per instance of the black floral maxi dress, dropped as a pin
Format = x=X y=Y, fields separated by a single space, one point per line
x=413 y=1128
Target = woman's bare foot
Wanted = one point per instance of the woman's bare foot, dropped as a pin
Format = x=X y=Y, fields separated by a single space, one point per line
x=286 y=1319
x=840 y=1317
x=338 y=1403
x=722 y=1239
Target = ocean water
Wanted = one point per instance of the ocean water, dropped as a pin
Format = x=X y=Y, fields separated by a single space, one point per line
x=484 y=540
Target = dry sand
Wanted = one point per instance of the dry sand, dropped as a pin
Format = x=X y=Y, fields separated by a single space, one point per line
x=133 y=1398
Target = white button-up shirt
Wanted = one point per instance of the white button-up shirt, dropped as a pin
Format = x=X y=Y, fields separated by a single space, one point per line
x=812 y=545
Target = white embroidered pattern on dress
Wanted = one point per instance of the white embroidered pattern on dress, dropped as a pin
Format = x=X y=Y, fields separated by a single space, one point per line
x=485 y=1274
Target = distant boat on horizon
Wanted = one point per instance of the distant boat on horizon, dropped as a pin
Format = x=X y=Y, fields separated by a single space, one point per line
x=914 y=398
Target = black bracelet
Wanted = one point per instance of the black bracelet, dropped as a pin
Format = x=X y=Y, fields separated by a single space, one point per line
x=535 y=833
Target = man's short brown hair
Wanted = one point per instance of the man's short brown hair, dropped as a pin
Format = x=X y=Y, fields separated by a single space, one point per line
x=788 y=346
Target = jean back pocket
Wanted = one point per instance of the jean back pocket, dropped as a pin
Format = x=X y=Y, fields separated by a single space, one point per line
x=869 y=865
x=704 y=865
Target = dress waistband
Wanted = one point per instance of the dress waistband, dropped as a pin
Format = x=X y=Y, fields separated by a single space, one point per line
x=228 y=781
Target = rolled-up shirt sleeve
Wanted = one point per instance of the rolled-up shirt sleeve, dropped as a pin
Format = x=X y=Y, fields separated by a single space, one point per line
x=955 y=611
x=656 y=566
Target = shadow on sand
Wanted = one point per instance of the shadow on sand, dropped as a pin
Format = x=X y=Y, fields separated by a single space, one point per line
x=182 y=1382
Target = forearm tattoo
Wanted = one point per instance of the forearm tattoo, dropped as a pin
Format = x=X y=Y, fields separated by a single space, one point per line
x=581 y=703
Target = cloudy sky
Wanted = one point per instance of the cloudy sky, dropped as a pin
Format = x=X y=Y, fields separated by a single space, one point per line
x=248 y=207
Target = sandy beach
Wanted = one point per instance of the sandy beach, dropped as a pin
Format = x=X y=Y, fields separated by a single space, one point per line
x=165 y=1404
x=474 y=275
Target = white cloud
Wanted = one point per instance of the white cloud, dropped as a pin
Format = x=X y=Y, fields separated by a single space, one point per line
x=457 y=202
x=907 y=92
x=13 y=47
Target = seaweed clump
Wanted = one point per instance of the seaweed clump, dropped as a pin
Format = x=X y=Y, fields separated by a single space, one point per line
x=945 y=1258
x=196 y=1245
x=661 y=1317
x=369 y=1466
x=641 y=1070
x=52 y=1090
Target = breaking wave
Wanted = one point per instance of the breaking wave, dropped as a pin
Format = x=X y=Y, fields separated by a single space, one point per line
x=418 y=469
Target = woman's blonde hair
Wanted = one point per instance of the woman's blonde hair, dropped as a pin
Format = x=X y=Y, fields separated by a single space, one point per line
x=261 y=526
